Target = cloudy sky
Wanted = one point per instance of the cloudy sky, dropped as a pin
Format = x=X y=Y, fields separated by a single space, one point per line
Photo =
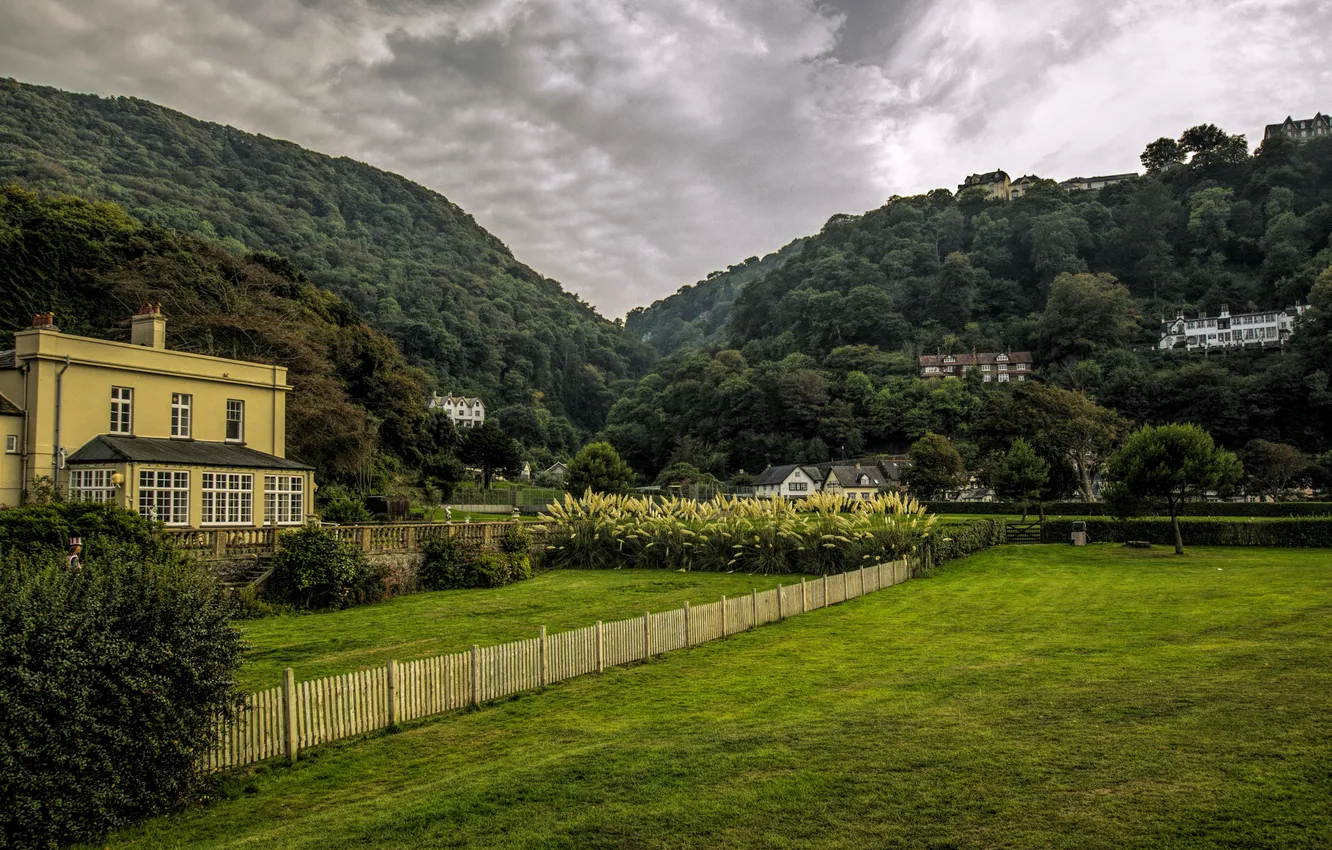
x=627 y=148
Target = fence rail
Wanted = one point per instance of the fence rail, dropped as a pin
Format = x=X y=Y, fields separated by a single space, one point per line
x=393 y=538
x=282 y=721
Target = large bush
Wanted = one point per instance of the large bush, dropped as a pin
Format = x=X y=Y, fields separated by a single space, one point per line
x=112 y=678
x=1192 y=509
x=313 y=569
x=44 y=530
x=1280 y=532
x=448 y=564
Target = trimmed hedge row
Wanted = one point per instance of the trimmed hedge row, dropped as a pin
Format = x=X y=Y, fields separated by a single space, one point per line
x=957 y=540
x=1097 y=509
x=1286 y=532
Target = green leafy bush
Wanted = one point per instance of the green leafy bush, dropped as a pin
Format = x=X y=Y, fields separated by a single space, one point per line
x=449 y=564
x=337 y=504
x=515 y=540
x=45 y=530
x=957 y=540
x=112 y=678
x=313 y=569
x=444 y=563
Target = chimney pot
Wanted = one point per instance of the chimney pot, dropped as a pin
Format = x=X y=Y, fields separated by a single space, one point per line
x=45 y=321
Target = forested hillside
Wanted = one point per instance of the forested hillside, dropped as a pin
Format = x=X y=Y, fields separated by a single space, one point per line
x=417 y=267
x=357 y=410
x=818 y=357
x=697 y=315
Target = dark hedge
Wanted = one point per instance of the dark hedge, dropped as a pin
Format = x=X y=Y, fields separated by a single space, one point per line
x=1194 y=509
x=957 y=540
x=112 y=678
x=1288 y=532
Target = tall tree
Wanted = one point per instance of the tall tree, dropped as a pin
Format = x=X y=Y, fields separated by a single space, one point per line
x=1019 y=474
x=1087 y=314
x=1170 y=465
x=1163 y=154
x=934 y=467
x=1274 y=469
x=491 y=448
x=598 y=468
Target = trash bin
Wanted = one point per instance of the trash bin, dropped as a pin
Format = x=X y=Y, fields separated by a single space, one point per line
x=1078 y=536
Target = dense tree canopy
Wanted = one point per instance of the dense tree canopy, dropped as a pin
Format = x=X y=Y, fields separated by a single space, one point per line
x=417 y=267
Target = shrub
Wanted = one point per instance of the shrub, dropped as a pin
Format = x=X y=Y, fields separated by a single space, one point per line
x=337 y=504
x=449 y=564
x=314 y=569
x=1288 y=532
x=444 y=563
x=1192 y=509
x=112 y=678
x=949 y=542
x=44 y=530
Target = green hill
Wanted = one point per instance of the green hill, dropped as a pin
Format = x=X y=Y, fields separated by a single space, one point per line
x=817 y=355
x=415 y=265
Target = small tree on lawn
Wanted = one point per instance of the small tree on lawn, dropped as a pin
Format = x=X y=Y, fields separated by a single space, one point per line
x=934 y=468
x=1019 y=474
x=1170 y=465
x=598 y=468
x=1275 y=469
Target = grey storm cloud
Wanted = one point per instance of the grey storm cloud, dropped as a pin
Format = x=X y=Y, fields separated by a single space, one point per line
x=628 y=148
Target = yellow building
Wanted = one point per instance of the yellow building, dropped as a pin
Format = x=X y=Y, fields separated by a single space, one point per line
x=854 y=482
x=192 y=440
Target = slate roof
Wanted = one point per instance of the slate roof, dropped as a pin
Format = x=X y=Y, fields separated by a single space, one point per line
x=111 y=449
x=974 y=359
x=9 y=408
x=777 y=474
x=7 y=360
x=846 y=476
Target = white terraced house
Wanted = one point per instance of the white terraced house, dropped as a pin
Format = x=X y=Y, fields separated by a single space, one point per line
x=791 y=481
x=1272 y=327
x=466 y=413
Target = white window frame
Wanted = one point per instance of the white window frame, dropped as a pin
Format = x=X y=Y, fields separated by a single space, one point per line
x=238 y=405
x=122 y=410
x=226 y=498
x=284 y=499
x=91 y=485
x=165 y=491
x=11 y=444
x=182 y=414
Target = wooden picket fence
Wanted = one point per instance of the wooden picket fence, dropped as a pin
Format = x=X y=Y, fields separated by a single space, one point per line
x=284 y=720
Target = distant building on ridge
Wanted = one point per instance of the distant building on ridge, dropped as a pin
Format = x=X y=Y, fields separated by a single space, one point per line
x=996 y=182
x=466 y=413
x=1269 y=328
x=1301 y=131
x=1001 y=367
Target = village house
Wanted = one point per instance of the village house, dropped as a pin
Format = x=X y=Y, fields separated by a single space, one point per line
x=995 y=182
x=1086 y=184
x=1000 y=367
x=854 y=482
x=790 y=481
x=555 y=475
x=467 y=413
x=1301 y=131
x=1021 y=186
x=192 y=440
x=1269 y=328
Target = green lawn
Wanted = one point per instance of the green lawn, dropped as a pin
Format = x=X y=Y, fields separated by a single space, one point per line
x=425 y=624
x=1024 y=697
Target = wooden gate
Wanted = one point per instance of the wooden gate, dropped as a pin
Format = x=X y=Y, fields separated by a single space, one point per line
x=1023 y=532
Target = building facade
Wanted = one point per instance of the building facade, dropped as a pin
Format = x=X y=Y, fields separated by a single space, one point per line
x=790 y=481
x=1021 y=186
x=1086 y=184
x=999 y=367
x=192 y=440
x=854 y=482
x=995 y=182
x=1319 y=126
x=1268 y=328
x=466 y=413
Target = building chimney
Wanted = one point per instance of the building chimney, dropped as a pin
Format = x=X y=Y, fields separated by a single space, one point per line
x=44 y=321
x=1225 y=310
x=148 y=327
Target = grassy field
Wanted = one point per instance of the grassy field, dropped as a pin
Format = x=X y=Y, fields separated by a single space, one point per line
x=1024 y=697
x=424 y=624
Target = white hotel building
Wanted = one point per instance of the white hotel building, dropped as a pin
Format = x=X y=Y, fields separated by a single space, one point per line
x=1227 y=331
x=466 y=413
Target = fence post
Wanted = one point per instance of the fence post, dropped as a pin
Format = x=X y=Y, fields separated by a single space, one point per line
x=647 y=634
x=289 y=713
x=843 y=587
x=862 y=581
x=779 y=602
x=723 y=616
x=476 y=675
x=219 y=543
x=825 y=590
x=392 y=676
x=804 y=600
x=686 y=624
x=753 y=607
x=545 y=660
x=601 y=655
